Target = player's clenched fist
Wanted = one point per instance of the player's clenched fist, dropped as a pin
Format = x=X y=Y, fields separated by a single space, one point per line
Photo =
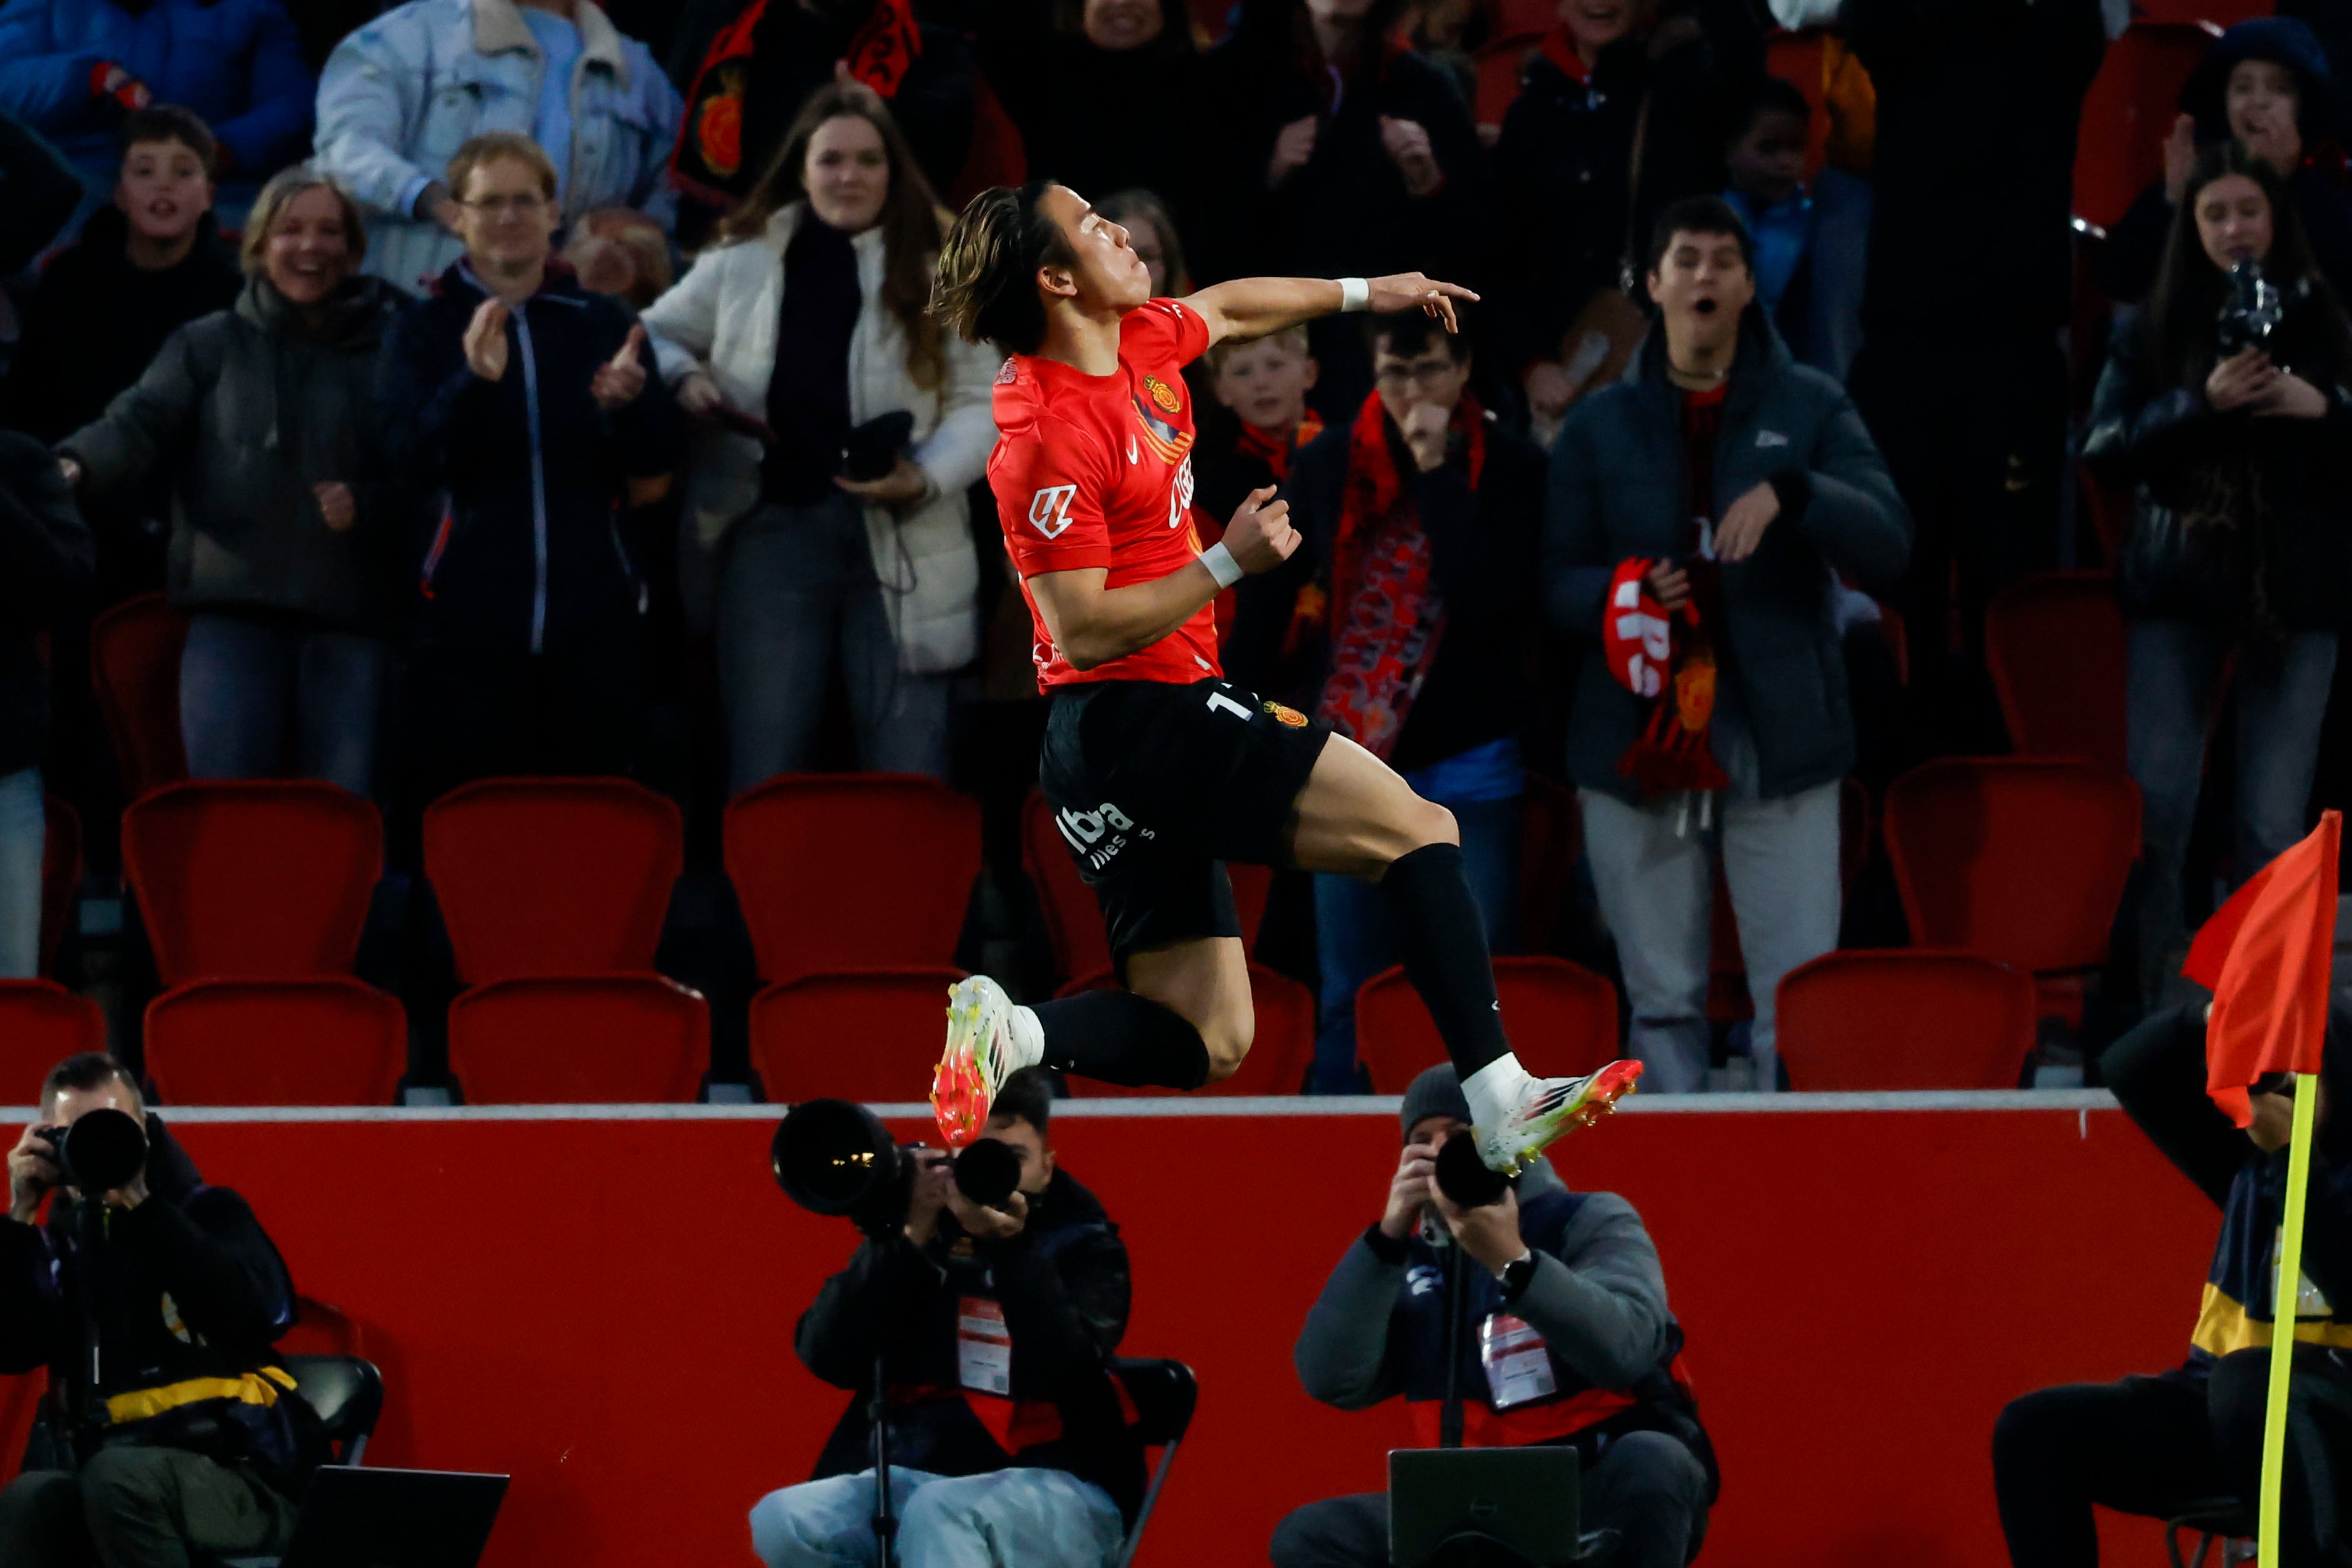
x=1260 y=536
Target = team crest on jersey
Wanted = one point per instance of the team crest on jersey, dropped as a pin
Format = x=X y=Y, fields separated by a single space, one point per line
x=1289 y=716
x=1163 y=394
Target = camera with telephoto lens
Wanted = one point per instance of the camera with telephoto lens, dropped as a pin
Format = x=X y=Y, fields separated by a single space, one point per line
x=2251 y=312
x=831 y=1157
x=101 y=1151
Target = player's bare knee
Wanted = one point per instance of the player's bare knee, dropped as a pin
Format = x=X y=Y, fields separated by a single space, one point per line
x=1227 y=1040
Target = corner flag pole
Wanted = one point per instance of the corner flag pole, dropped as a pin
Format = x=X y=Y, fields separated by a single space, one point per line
x=2288 y=1295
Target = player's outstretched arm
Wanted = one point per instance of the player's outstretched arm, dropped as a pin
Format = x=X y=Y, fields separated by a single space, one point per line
x=1092 y=624
x=1253 y=307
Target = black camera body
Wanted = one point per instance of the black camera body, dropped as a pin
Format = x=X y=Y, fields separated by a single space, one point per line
x=100 y=1151
x=2251 y=310
x=831 y=1157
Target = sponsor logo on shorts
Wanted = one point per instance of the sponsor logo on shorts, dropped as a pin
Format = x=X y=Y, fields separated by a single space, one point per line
x=1099 y=835
x=1289 y=716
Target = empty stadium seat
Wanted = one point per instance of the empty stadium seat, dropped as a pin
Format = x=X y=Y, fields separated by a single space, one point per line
x=2054 y=645
x=1281 y=1050
x=254 y=879
x=1074 y=925
x=843 y=871
x=541 y=877
x=134 y=669
x=1905 y=1018
x=2130 y=108
x=1562 y=1020
x=2019 y=859
x=595 y=1040
x=323 y=1041
x=872 y=1036
x=60 y=877
x=41 y=1024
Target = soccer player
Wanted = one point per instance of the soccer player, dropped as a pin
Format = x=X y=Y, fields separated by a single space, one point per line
x=1158 y=768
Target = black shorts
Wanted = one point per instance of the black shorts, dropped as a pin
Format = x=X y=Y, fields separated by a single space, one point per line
x=1154 y=785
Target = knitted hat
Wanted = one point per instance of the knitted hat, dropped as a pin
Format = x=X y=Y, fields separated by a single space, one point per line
x=1436 y=1093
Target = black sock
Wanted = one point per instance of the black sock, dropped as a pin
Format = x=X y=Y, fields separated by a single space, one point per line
x=1435 y=924
x=1118 y=1037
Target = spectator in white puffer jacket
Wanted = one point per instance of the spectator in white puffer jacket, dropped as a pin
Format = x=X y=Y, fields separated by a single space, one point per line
x=830 y=533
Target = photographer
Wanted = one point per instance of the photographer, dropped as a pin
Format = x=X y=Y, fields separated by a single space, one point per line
x=1577 y=1274
x=2223 y=407
x=2156 y=1446
x=996 y=1329
x=190 y=1442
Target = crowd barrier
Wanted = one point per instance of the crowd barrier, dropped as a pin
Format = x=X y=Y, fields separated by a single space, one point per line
x=601 y=1300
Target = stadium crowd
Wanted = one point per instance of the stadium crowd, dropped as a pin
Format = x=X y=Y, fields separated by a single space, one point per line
x=531 y=388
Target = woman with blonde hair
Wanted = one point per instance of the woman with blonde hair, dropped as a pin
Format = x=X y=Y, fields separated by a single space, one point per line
x=827 y=522
x=262 y=416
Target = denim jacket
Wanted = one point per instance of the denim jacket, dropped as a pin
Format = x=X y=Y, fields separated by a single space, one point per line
x=399 y=96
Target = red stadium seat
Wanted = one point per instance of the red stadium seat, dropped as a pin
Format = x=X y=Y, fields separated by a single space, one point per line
x=1281 y=1051
x=553 y=876
x=2019 y=859
x=2054 y=645
x=60 y=877
x=1905 y=1018
x=872 y=1036
x=1562 y=1018
x=252 y=879
x=597 y=1039
x=2130 y=108
x=1074 y=925
x=134 y=668
x=41 y=1024
x=842 y=871
x=326 y=1042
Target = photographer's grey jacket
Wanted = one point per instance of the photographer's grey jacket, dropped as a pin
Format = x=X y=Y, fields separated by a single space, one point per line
x=1618 y=490
x=1598 y=1298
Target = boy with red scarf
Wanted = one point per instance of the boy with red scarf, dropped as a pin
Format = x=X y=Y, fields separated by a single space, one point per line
x=1402 y=622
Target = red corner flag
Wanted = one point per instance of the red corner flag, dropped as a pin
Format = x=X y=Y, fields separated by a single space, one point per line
x=2264 y=955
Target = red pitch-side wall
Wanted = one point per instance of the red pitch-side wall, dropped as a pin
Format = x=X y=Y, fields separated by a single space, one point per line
x=604 y=1308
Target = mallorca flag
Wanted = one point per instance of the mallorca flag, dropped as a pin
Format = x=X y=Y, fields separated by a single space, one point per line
x=2265 y=955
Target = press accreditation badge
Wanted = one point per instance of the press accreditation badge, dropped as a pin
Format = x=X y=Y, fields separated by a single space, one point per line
x=983 y=1347
x=1518 y=1366
x=2309 y=1303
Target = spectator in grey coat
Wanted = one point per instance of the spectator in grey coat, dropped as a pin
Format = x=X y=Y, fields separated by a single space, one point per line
x=1564 y=1338
x=282 y=499
x=1699 y=514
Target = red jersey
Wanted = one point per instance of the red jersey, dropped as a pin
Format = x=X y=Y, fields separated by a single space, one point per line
x=1096 y=470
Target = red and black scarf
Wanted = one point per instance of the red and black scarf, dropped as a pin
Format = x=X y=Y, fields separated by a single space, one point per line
x=1273 y=450
x=709 y=154
x=1386 y=615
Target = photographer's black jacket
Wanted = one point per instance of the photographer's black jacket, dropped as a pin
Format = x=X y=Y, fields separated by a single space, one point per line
x=1064 y=1289
x=190 y=1296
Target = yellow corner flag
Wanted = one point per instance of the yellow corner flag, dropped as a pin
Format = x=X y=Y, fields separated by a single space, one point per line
x=2265 y=955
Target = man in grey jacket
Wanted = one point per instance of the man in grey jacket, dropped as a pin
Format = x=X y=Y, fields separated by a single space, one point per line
x=1564 y=1338
x=1698 y=516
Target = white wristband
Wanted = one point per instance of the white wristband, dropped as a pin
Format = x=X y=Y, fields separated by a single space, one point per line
x=1222 y=565
x=1355 y=294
